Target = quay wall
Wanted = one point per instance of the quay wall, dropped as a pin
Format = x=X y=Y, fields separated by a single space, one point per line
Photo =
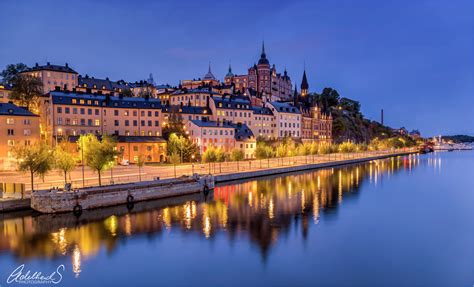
x=282 y=170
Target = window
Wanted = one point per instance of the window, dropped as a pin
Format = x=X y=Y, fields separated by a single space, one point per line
x=97 y=123
x=83 y=111
x=74 y=101
x=26 y=132
x=125 y=113
x=27 y=122
x=149 y=123
x=135 y=123
x=59 y=110
x=157 y=124
x=11 y=143
x=116 y=112
x=96 y=112
x=156 y=114
x=89 y=111
x=135 y=148
x=10 y=121
x=10 y=132
x=67 y=110
x=116 y=123
x=74 y=111
x=127 y=123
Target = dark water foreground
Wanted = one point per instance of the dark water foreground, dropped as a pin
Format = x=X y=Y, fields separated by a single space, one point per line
x=406 y=221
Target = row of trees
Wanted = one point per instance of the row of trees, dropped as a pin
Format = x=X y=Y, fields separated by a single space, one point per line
x=39 y=159
x=219 y=155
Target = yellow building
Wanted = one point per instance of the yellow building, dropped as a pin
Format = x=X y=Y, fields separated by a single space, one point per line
x=18 y=126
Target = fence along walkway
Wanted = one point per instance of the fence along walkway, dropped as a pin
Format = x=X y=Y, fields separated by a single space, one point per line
x=167 y=171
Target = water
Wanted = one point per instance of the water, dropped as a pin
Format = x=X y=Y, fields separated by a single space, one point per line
x=407 y=221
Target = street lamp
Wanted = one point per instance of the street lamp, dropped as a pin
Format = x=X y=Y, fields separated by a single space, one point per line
x=82 y=159
x=57 y=134
x=192 y=162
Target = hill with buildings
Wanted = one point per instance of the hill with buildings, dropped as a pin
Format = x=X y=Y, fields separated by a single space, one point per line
x=348 y=121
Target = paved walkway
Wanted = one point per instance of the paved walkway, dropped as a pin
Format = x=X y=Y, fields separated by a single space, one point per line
x=124 y=174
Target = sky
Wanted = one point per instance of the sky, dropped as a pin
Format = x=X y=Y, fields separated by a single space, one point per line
x=414 y=59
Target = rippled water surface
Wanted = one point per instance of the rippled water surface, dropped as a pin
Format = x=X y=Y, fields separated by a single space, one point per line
x=406 y=221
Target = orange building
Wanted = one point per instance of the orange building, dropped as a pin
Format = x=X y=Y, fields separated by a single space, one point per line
x=18 y=126
x=72 y=113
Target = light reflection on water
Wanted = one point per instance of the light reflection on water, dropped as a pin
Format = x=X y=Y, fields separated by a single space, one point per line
x=261 y=211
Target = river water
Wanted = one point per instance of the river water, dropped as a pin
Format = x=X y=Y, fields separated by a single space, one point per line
x=406 y=221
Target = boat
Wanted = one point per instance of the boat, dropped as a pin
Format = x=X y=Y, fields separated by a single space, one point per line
x=57 y=201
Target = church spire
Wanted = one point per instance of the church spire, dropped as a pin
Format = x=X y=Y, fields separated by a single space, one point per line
x=295 y=96
x=304 y=84
x=229 y=73
x=263 y=57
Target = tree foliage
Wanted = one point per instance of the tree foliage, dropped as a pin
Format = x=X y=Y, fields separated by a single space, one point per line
x=64 y=160
x=26 y=92
x=174 y=125
x=10 y=73
x=36 y=159
x=183 y=146
x=99 y=155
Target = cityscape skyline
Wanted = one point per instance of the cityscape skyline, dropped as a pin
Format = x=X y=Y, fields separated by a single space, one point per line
x=413 y=75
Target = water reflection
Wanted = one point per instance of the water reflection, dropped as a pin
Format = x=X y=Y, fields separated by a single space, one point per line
x=261 y=210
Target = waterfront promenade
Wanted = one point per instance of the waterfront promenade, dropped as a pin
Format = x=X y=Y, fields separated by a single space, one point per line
x=126 y=174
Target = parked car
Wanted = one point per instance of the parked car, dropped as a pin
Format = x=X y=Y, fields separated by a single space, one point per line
x=124 y=162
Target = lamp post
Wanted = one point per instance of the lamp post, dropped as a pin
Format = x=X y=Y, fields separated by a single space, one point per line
x=82 y=160
x=57 y=134
x=192 y=162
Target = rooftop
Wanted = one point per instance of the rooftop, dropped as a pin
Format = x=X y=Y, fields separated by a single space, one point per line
x=242 y=131
x=54 y=68
x=14 y=110
x=285 y=107
x=67 y=98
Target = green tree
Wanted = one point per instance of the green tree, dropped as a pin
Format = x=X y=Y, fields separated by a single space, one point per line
x=314 y=149
x=270 y=153
x=141 y=161
x=174 y=125
x=174 y=159
x=347 y=147
x=98 y=154
x=304 y=150
x=281 y=151
x=210 y=156
x=64 y=160
x=183 y=146
x=36 y=159
x=26 y=92
x=261 y=152
x=11 y=71
x=237 y=155
x=221 y=156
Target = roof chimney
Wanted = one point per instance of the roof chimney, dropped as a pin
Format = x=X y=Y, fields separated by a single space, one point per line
x=36 y=65
x=48 y=64
x=67 y=66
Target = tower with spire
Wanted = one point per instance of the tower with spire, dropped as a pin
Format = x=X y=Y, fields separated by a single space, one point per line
x=304 y=85
x=262 y=79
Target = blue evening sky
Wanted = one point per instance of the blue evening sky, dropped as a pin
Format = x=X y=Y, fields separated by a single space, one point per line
x=414 y=59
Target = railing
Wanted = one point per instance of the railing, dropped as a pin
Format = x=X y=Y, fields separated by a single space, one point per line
x=150 y=172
